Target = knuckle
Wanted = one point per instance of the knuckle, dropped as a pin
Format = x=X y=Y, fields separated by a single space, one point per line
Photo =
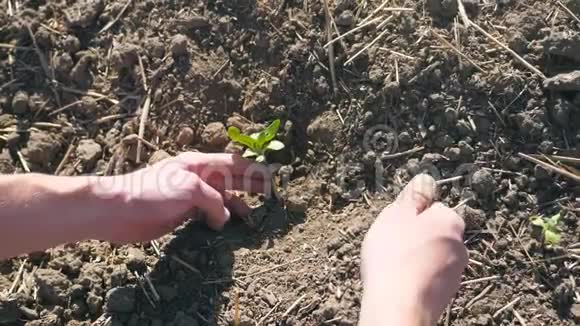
x=188 y=157
x=195 y=183
x=455 y=222
x=391 y=211
x=448 y=217
x=460 y=223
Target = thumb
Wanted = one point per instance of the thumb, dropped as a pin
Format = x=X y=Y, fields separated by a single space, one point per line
x=419 y=194
x=211 y=202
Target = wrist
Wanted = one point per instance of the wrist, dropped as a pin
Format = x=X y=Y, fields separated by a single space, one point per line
x=393 y=308
x=111 y=200
x=92 y=203
x=85 y=212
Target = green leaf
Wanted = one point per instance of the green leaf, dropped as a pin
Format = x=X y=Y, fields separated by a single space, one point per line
x=537 y=220
x=552 y=238
x=275 y=145
x=270 y=132
x=554 y=221
x=257 y=143
x=235 y=135
x=261 y=139
x=255 y=135
x=249 y=153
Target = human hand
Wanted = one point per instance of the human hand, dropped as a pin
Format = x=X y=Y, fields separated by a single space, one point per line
x=151 y=202
x=412 y=259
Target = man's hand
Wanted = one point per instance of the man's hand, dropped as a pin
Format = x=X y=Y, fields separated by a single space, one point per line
x=152 y=202
x=412 y=259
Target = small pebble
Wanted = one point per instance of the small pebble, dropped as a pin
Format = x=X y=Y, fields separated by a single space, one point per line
x=346 y=18
x=20 y=102
x=185 y=137
x=178 y=46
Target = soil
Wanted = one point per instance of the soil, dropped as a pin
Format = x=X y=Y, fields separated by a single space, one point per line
x=76 y=75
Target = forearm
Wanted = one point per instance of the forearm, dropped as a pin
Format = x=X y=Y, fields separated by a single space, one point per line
x=40 y=211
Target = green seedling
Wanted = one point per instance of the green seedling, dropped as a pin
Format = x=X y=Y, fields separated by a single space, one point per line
x=257 y=144
x=550 y=230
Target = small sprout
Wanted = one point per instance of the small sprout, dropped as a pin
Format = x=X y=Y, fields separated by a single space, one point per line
x=550 y=231
x=257 y=144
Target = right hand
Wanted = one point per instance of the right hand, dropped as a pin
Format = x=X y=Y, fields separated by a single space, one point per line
x=412 y=259
x=157 y=199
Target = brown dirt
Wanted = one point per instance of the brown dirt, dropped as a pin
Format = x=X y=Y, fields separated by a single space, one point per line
x=210 y=63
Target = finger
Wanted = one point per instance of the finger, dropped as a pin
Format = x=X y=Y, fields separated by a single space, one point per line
x=232 y=163
x=446 y=218
x=418 y=194
x=236 y=205
x=247 y=184
x=211 y=202
x=447 y=278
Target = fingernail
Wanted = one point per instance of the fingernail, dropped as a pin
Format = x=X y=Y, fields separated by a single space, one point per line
x=419 y=193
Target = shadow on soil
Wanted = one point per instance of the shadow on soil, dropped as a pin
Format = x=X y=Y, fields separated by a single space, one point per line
x=194 y=295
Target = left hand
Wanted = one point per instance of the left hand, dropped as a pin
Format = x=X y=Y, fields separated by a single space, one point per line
x=151 y=202
x=413 y=257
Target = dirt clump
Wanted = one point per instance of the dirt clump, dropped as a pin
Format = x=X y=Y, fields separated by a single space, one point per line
x=565 y=44
x=517 y=41
x=178 y=45
x=563 y=297
x=185 y=137
x=53 y=286
x=442 y=9
x=529 y=25
x=531 y=123
x=136 y=260
x=215 y=136
x=67 y=264
x=562 y=111
x=575 y=312
x=483 y=183
x=88 y=152
x=346 y=18
x=7 y=120
x=88 y=108
x=70 y=44
x=243 y=124
x=120 y=300
x=234 y=148
x=20 y=103
x=81 y=73
x=564 y=82
x=124 y=56
x=6 y=165
x=324 y=128
x=296 y=204
x=63 y=65
x=41 y=149
x=474 y=218
x=154 y=47
x=84 y=13
x=9 y=312
x=190 y=22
